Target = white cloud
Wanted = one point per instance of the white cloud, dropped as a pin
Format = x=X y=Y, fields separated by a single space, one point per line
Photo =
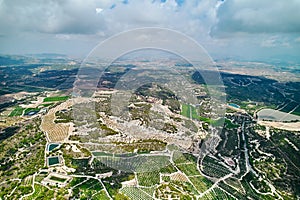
x=99 y=10
x=82 y=17
x=257 y=16
x=229 y=27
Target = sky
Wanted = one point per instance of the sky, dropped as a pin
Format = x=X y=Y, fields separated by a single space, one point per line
x=238 y=29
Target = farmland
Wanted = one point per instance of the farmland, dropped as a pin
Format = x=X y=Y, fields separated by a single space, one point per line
x=56 y=98
x=191 y=112
x=211 y=167
x=157 y=147
x=87 y=189
x=148 y=179
x=217 y=193
x=56 y=132
x=135 y=193
x=18 y=111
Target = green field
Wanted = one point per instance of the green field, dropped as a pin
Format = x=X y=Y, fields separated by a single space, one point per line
x=135 y=193
x=188 y=165
x=190 y=111
x=41 y=192
x=18 y=111
x=186 y=111
x=101 y=195
x=58 y=98
x=55 y=178
x=201 y=183
x=148 y=179
x=217 y=193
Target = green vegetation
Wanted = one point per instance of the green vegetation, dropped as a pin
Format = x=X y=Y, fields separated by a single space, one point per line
x=113 y=184
x=103 y=196
x=201 y=183
x=148 y=179
x=28 y=110
x=135 y=193
x=185 y=111
x=228 y=146
x=21 y=164
x=211 y=167
x=55 y=178
x=176 y=189
x=190 y=169
x=57 y=98
x=41 y=192
x=166 y=179
x=169 y=128
x=230 y=125
x=190 y=111
x=275 y=160
x=217 y=193
x=99 y=153
x=107 y=130
x=187 y=163
x=87 y=189
x=141 y=112
x=18 y=111
x=143 y=146
x=64 y=116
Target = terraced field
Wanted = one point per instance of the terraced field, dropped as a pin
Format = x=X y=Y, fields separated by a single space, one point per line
x=56 y=132
x=188 y=165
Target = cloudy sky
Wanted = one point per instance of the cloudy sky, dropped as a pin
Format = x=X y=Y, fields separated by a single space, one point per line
x=244 y=29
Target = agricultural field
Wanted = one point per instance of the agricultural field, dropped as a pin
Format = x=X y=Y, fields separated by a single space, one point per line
x=56 y=131
x=212 y=167
x=148 y=150
x=148 y=179
x=100 y=195
x=188 y=165
x=192 y=112
x=217 y=193
x=57 y=98
x=18 y=111
x=86 y=189
x=40 y=192
x=135 y=193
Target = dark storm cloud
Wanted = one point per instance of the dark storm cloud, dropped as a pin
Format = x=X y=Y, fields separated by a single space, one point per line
x=258 y=16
